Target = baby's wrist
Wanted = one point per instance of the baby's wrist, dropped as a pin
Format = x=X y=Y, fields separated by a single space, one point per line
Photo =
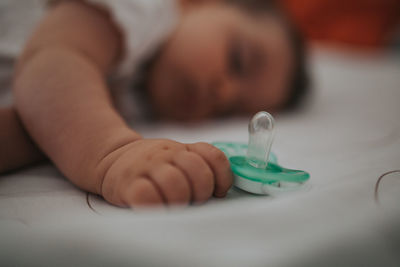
x=114 y=150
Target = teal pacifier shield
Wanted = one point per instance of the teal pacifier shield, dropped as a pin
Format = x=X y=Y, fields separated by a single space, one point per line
x=272 y=174
x=238 y=149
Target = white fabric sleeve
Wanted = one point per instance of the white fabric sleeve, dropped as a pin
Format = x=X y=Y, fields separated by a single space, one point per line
x=145 y=24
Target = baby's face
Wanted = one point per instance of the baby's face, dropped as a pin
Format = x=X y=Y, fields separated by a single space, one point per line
x=220 y=60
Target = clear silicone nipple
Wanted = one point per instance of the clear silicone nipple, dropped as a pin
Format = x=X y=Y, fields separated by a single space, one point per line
x=261 y=136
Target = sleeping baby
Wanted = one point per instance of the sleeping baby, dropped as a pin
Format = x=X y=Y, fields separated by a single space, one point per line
x=89 y=63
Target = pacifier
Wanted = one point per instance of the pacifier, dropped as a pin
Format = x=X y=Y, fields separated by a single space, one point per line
x=255 y=167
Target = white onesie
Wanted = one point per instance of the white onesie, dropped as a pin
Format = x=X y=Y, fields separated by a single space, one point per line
x=145 y=24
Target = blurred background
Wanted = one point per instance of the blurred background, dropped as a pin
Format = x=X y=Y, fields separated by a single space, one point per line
x=368 y=25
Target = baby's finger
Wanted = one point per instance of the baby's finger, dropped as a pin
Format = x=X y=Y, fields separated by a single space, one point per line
x=218 y=163
x=141 y=192
x=172 y=183
x=198 y=173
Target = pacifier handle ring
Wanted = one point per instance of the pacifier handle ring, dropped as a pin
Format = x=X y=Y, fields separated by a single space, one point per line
x=274 y=190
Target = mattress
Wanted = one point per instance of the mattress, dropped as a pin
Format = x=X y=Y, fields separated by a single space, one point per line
x=346 y=136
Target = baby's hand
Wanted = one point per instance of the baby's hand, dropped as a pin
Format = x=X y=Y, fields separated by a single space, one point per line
x=161 y=171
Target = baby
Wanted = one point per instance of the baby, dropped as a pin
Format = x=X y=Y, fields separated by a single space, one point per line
x=215 y=58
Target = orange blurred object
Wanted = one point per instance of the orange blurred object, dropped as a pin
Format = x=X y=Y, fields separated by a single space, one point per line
x=360 y=23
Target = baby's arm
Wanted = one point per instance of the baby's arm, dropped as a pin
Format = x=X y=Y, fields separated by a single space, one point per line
x=63 y=101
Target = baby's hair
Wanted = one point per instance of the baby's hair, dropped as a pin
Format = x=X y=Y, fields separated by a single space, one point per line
x=299 y=81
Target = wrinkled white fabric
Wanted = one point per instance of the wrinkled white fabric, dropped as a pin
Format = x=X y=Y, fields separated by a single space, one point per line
x=144 y=24
x=17 y=20
x=345 y=138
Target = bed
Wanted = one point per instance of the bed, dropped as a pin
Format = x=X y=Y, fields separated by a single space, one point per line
x=346 y=136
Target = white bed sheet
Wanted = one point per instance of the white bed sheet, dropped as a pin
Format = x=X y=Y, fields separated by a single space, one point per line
x=346 y=137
